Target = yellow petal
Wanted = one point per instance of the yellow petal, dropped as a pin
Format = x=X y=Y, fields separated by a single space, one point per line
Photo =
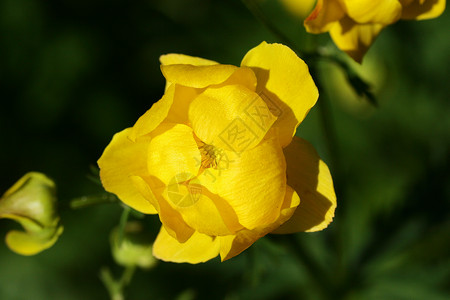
x=153 y=189
x=29 y=224
x=354 y=39
x=182 y=59
x=254 y=183
x=197 y=76
x=154 y=116
x=231 y=117
x=421 y=10
x=369 y=11
x=232 y=245
x=174 y=161
x=284 y=83
x=27 y=243
x=201 y=210
x=324 y=15
x=242 y=76
x=122 y=159
x=34 y=178
x=172 y=150
x=185 y=204
x=199 y=248
x=178 y=112
x=173 y=158
x=309 y=176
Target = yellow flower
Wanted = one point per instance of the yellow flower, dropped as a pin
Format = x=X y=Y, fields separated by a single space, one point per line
x=354 y=24
x=31 y=201
x=217 y=158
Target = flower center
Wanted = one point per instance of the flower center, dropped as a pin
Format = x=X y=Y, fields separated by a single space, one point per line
x=210 y=155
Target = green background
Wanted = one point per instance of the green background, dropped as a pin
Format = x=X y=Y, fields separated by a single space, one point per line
x=72 y=73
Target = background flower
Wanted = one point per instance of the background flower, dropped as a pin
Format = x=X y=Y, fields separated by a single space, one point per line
x=354 y=25
x=31 y=201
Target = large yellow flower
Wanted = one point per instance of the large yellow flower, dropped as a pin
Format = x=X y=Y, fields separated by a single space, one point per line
x=354 y=24
x=217 y=159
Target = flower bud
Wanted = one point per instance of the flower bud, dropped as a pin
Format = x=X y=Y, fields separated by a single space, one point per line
x=31 y=201
x=135 y=248
x=299 y=8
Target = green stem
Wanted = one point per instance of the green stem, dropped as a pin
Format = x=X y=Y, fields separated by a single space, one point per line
x=319 y=275
x=127 y=275
x=115 y=290
x=123 y=222
x=115 y=287
x=329 y=129
x=86 y=201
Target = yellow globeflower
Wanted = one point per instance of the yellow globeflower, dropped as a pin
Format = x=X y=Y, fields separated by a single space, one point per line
x=31 y=201
x=354 y=24
x=217 y=158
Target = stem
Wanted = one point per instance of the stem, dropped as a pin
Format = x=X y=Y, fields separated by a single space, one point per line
x=123 y=222
x=127 y=275
x=318 y=275
x=327 y=124
x=86 y=201
x=115 y=287
x=330 y=134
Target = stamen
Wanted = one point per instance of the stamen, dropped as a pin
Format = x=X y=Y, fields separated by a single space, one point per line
x=210 y=156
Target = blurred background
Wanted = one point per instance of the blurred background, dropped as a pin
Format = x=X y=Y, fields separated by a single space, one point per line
x=73 y=73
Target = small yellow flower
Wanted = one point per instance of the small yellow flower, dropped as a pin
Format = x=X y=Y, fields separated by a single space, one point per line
x=217 y=158
x=31 y=201
x=354 y=24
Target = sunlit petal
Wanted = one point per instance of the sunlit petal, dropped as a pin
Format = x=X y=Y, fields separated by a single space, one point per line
x=284 y=83
x=232 y=245
x=231 y=117
x=122 y=159
x=182 y=59
x=197 y=76
x=154 y=116
x=254 y=183
x=369 y=11
x=199 y=248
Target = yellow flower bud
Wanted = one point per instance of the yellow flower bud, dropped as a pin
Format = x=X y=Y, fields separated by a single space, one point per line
x=135 y=249
x=31 y=201
x=299 y=8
